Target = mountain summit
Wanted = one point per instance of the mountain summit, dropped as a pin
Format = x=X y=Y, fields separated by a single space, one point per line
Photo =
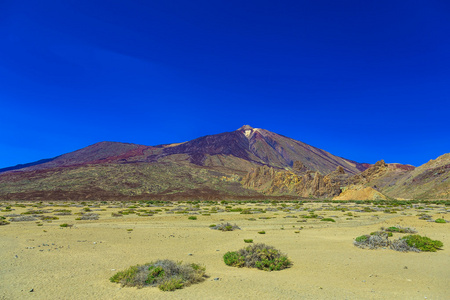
x=245 y=127
x=248 y=147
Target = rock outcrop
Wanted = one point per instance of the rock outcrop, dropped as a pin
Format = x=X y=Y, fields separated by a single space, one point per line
x=300 y=181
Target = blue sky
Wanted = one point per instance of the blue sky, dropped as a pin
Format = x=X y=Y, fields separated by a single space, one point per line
x=365 y=80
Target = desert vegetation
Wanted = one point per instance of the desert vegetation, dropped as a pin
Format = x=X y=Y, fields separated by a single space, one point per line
x=258 y=256
x=166 y=274
x=170 y=224
x=414 y=243
x=225 y=227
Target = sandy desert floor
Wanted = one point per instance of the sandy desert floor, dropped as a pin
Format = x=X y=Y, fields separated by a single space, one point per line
x=76 y=262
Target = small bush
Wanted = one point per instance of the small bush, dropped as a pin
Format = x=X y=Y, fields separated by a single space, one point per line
x=3 y=222
x=328 y=220
x=262 y=232
x=389 y=234
x=48 y=218
x=372 y=241
x=65 y=225
x=402 y=246
x=248 y=241
x=88 y=216
x=192 y=218
x=423 y=243
x=167 y=275
x=23 y=219
x=362 y=238
x=234 y=259
x=171 y=284
x=225 y=227
x=62 y=212
x=440 y=221
x=259 y=256
x=400 y=229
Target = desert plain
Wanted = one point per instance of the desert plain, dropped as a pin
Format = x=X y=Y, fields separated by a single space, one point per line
x=40 y=259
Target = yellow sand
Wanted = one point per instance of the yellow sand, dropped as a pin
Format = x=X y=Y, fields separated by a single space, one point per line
x=79 y=261
x=360 y=193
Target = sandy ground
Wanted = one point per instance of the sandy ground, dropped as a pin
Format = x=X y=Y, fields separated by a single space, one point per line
x=77 y=262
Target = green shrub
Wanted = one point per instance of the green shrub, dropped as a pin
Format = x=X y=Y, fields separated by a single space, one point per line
x=259 y=256
x=225 y=227
x=423 y=243
x=327 y=220
x=400 y=229
x=64 y=225
x=262 y=232
x=192 y=218
x=165 y=274
x=362 y=238
x=440 y=221
x=126 y=277
x=248 y=241
x=155 y=273
x=48 y=218
x=171 y=284
x=233 y=259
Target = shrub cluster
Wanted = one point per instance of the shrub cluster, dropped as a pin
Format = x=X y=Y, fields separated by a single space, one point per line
x=423 y=243
x=167 y=275
x=259 y=256
x=23 y=219
x=380 y=239
x=225 y=227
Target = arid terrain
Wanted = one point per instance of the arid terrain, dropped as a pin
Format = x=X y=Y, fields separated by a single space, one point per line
x=39 y=259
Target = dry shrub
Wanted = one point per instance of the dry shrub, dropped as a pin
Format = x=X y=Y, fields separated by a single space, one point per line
x=23 y=219
x=88 y=216
x=225 y=227
x=259 y=256
x=414 y=243
x=372 y=241
x=165 y=274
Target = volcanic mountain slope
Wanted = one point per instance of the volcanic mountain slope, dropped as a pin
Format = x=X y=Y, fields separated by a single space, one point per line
x=239 y=150
x=259 y=147
x=429 y=181
x=103 y=152
x=114 y=181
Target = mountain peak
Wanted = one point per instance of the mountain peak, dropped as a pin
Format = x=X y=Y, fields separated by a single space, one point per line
x=246 y=127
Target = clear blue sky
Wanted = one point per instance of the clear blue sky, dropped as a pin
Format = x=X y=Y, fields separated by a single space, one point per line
x=365 y=80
